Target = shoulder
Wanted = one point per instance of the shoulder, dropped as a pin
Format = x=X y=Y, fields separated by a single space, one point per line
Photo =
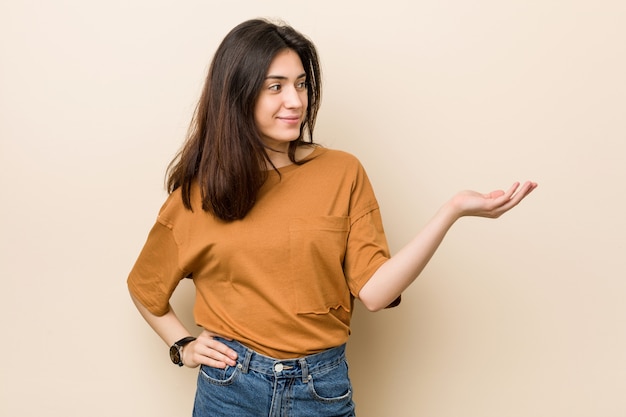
x=173 y=210
x=335 y=157
x=335 y=168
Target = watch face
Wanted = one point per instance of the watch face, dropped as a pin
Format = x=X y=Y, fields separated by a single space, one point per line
x=175 y=354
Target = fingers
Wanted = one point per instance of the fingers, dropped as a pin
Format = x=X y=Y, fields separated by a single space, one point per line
x=514 y=196
x=526 y=189
x=493 y=204
x=512 y=189
x=206 y=350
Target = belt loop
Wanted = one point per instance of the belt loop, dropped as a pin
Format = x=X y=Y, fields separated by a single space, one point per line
x=245 y=364
x=305 y=370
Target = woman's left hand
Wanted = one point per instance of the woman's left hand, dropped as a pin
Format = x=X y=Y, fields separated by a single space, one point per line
x=493 y=204
x=395 y=275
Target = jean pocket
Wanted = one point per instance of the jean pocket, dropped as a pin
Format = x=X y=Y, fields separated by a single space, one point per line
x=218 y=376
x=317 y=247
x=332 y=384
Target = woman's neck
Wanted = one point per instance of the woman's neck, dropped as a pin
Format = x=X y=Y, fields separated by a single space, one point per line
x=280 y=157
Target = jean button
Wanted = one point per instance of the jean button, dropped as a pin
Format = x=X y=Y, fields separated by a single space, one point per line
x=278 y=367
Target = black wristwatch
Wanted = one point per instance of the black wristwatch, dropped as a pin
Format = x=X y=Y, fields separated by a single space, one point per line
x=176 y=351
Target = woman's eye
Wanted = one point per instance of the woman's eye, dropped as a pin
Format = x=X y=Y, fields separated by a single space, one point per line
x=301 y=85
x=274 y=87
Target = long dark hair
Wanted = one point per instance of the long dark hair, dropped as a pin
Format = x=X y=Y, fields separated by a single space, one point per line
x=223 y=150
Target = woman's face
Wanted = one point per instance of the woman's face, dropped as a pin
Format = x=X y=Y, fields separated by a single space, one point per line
x=282 y=102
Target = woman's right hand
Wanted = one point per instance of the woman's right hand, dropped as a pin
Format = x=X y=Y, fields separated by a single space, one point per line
x=205 y=350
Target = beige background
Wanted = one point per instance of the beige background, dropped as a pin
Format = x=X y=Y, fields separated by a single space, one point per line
x=523 y=316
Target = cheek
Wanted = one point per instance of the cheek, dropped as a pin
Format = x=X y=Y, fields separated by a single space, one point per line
x=259 y=113
x=263 y=110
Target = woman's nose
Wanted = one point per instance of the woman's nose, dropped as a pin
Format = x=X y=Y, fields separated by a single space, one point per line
x=293 y=98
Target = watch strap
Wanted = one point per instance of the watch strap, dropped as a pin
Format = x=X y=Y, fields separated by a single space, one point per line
x=182 y=342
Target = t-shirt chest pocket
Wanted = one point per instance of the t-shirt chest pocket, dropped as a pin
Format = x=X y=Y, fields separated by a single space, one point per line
x=317 y=246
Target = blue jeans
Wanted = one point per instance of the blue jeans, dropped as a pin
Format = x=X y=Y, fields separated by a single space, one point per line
x=312 y=386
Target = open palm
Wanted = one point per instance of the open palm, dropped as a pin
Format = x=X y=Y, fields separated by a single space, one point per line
x=493 y=204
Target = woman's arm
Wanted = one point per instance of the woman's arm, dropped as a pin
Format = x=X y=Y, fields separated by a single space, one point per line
x=395 y=275
x=204 y=350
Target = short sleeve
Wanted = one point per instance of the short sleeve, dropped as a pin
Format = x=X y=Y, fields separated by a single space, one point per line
x=366 y=250
x=367 y=247
x=156 y=272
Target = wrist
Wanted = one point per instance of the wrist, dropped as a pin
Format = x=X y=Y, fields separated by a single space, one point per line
x=176 y=350
x=451 y=211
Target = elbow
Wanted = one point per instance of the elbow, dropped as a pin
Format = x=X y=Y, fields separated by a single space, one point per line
x=375 y=295
x=371 y=302
x=373 y=308
x=374 y=304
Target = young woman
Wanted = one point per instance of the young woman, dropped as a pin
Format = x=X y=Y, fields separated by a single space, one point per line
x=279 y=235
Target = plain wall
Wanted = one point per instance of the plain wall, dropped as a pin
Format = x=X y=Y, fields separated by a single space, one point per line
x=521 y=316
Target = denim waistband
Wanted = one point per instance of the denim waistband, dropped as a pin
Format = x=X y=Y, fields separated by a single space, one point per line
x=250 y=360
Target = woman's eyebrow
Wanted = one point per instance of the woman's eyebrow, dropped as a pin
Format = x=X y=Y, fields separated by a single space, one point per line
x=282 y=77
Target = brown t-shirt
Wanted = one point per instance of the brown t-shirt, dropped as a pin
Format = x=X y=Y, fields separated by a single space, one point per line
x=283 y=279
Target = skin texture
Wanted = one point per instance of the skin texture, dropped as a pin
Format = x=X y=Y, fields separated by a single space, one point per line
x=279 y=111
